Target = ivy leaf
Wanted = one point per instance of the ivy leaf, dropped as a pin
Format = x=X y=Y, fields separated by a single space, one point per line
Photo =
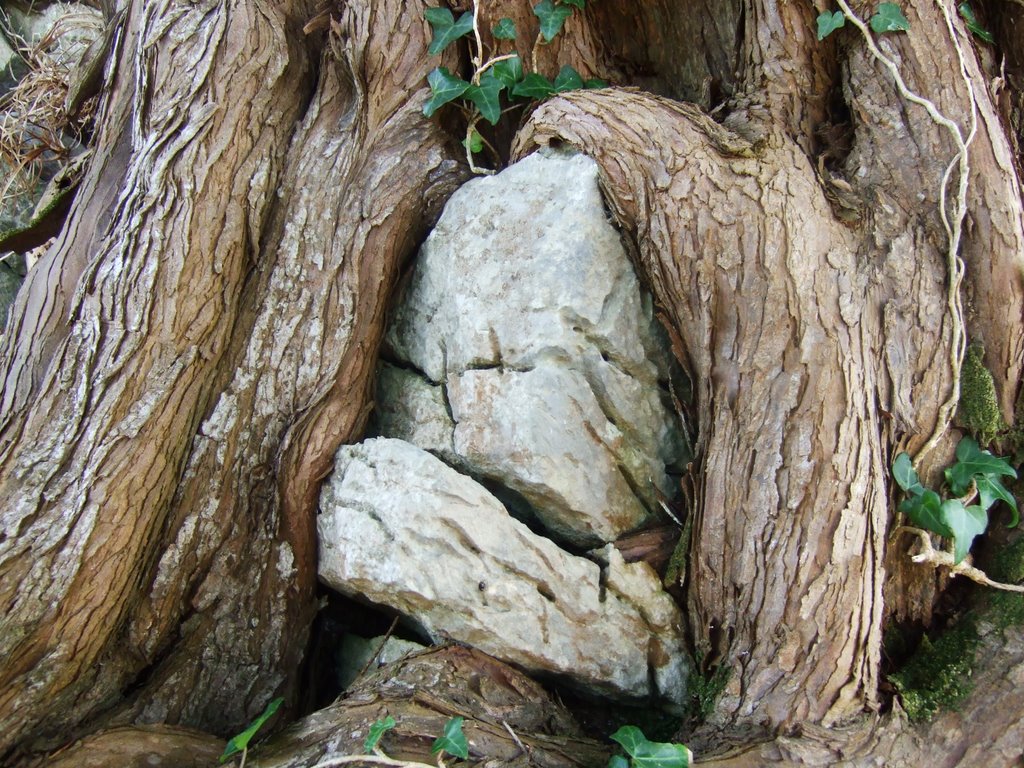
x=508 y=71
x=552 y=17
x=905 y=475
x=568 y=79
x=971 y=461
x=445 y=87
x=966 y=523
x=241 y=742
x=889 y=18
x=651 y=754
x=453 y=740
x=486 y=96
x=991 y=490
x=505 y=29
x=475 y=142
x=829 y=23
x=618 y=761
x=972 y=23
x=534 y=86
x=446 y=29
x=595 y=82
x=377 y=730
x=925 y=511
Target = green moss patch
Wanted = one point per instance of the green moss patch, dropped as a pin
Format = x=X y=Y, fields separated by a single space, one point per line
x=978 y=409
x=938 y=675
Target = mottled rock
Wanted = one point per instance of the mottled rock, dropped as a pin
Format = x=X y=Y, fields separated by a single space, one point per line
x=400 y=528
x=360 y=655
x=538 y=352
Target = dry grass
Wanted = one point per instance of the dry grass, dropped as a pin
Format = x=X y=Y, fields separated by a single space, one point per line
x=34 y=128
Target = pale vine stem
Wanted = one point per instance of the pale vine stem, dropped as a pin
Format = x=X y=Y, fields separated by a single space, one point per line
x=479 y=67
x=377 y=758
x=953 y=224
x=936 y=559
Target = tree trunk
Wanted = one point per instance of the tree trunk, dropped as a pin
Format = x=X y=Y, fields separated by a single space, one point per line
x=182 y=366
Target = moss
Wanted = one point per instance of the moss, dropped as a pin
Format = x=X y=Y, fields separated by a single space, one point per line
x=705 y=690
x=978 y=410
x=676 y=568
x=938 y=676
x=1006 y=609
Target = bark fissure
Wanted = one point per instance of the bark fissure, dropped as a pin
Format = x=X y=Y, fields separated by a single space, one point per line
x=186 y=360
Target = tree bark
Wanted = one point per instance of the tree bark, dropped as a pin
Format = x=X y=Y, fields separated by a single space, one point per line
x=182 y=366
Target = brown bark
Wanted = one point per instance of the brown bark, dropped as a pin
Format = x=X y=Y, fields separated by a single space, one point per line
x=169 y=413
x=183 y=364
x=800 y=331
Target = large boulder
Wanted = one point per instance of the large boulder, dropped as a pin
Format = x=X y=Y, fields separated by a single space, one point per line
x=400 y=528
x=528 y=356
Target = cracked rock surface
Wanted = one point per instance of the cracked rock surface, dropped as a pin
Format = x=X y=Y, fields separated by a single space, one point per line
x=399 y=527
x=526 y=382
x=528 y=356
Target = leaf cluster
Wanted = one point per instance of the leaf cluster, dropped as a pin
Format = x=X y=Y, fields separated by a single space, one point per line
x=644 y=753
x=976 y=474
x=500 y=74
x=888 y=18
x=452 y=741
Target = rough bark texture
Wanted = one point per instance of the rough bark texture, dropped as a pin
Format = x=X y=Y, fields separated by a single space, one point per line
x=181 y=367
x=166 y=426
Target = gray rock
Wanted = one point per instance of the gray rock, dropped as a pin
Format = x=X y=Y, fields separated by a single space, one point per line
x=527 y=321
x=411 y=408
x=356 y=654
x=400 y=528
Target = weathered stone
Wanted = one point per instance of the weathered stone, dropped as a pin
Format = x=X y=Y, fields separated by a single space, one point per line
x=359 y=655
x=400 y=528
x=411 y=408
x=525 y=316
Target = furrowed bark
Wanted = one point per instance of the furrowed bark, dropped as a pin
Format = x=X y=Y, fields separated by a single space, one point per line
x=90 y=466
x=149 y=574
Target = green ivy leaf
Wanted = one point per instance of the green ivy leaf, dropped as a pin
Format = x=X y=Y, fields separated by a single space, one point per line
x=445 y=87
x=552 y=17
x=972 y=23
x=377 y=730
x=487 y=96
x=829 y=23
x=568 y=79
x=889 y=18
x=475 y=142
x=991 y=490
x=595 y=82
x=905 y=475
x=446 y=29
x=240 y=742
x=972 y=461
x=925 y=511
x=453 y=740
x=508 y=71
x=618 y=761
x=534 y=86
x=966 y=523
x=505 y=29
x=651 y=754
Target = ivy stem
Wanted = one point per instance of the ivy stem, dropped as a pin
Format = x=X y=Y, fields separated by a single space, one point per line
x=952 y=224
x=479 y=52
x=929 y=555
x=491 y=62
